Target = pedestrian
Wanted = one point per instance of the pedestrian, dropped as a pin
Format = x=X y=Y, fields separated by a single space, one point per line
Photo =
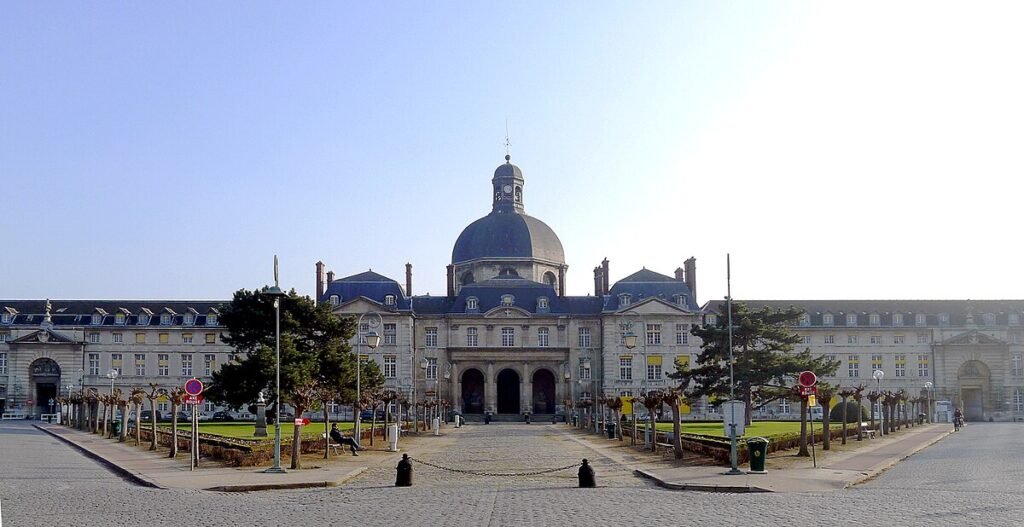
x=341 y=439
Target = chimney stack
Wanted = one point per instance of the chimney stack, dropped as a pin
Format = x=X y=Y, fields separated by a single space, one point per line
x=319 y=280
x=561 y=281
x=408 y=279
x=598 y=283
x=679 y=274
x=451 y=281
x=604 y=276
x=330 y=278
x=690 y=269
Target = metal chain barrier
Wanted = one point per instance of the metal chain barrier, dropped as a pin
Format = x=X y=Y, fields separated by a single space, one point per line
x=494 y=474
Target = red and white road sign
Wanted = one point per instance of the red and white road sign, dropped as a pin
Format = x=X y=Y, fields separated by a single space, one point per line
x=299 y=421
x=194 y=399
x=808 y=378
x=808 y=390
x=193 y=386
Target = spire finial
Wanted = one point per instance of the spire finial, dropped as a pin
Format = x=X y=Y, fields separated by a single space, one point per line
x=508 y=144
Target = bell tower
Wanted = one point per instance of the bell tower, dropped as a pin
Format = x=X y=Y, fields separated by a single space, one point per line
x=507 y=185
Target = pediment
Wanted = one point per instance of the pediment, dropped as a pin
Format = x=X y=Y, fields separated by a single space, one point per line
x=654 y=306
x=972 y=338
x=358 y=306
x=43 y=336
x=507 y=312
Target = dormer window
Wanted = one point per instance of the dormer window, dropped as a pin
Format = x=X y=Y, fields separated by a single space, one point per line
x=828 y=319
x=211 y=320
x=943 y=319
x=805 y=320
x=874 y=319
x=335 y=300
x=389 y=300
x=625 y=299
x=542 y=302
x=97 y=319
x=710 y=319
x=507 y=300
x=5 y=318
x=680 y=300
x=143 y=320
x=897 y=319
x=165 y=319
x=119 y=318
x=1014 y=319
x=989 y=319
x=851 y=319
x=920 y=320
x=190 y=319
x=472 y=303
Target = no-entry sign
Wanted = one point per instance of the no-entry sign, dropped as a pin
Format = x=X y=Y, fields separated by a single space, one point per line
x=808 y=378
x=193 y=386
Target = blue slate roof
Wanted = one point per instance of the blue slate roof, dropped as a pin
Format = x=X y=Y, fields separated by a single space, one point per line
x=646 y=284
x=367 y=284
x=80 y=312
x=957 y=311
x=508 y=235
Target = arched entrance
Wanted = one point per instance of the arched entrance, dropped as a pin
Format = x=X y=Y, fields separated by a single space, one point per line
x=508 y=392
x=974 y=377
x=473 y=392
x=44 y=378
x=543 y=392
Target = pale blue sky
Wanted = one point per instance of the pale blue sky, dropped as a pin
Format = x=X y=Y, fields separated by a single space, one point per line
x=861 y=150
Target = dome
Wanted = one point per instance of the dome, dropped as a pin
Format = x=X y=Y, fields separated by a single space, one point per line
x=505 y=235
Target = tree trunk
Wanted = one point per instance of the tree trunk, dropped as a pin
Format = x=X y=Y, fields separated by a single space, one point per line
x=152 y=422
x=872 y=412
x=174 y=428
x=826 y=438
x=653 y=419
x=124 y=423
x=677 y=440
x=803 y=429
x=327 y=433
x=138 y=423
x=846 y=418
x=297 y=442
x=860 y=412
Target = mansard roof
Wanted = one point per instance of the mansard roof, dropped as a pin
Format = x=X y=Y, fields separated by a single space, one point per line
x=368 y=285
x=959 y=312
x=646 y=284
x=80 y=312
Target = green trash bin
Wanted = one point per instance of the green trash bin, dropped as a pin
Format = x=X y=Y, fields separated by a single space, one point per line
x=758 y=449
x=117 y=427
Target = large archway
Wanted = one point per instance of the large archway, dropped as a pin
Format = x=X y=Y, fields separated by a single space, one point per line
x=473 y=392
x=44 y=380
x=508 y=392
x=974 y=377
x=543 y=392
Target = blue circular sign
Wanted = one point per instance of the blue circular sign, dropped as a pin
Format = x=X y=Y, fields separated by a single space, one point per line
x=193 y=387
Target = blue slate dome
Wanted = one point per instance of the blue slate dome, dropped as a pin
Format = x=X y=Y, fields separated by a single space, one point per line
x=508 y=235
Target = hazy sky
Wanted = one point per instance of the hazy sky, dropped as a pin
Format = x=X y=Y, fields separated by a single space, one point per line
x=854 y=150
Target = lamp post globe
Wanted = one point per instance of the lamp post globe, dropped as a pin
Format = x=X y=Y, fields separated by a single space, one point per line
x=878 y=374
x=928 y=395
x=372 y=340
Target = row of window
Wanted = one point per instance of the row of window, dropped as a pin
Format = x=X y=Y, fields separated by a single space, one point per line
x=389 y=300
x=583 y=338
x=920 y=319
x=900 y=365
x=162 y=338
x=626 y=299
x=138 y=366
x=922 y=338
x=654 y=367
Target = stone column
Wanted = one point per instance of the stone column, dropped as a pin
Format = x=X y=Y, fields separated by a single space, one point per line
x=490 y=390
x=456 y=387
x=527 y=395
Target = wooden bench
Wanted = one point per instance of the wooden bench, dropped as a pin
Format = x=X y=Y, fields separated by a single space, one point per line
x=331 y=445
x=864 y=428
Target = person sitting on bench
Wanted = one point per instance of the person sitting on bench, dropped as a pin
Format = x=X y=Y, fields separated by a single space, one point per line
x=342 y=440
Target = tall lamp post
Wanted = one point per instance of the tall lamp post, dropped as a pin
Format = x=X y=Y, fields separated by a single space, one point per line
x=572 y=394
x=276 y=293
x=928 y=394
x=112 y=374
x=372 y=340
x=423 y=366
x=878 y=374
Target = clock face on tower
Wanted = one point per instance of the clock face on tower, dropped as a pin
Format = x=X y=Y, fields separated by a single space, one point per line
x=507 y=189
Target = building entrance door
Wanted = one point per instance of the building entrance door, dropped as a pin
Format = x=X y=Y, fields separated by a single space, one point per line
x=508 y=392
x=473 y=392
x=973 y=408
x=44 y=377
x=543 y=392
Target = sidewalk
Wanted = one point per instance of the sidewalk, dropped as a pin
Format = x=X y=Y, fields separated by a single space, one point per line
x=148 y=469
x=837 y=471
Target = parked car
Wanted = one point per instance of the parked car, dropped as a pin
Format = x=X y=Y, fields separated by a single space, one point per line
x=222 y=416
x=367 y=415
x=148 y=415
x=184 y=416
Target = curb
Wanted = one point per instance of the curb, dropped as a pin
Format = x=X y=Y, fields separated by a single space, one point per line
x=109 y=465
x=696 y=487
x=287 y=486
x=875 y=472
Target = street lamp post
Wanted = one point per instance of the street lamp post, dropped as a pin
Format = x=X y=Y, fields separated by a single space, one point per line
x=112 y=374
x=572 y=394
x=878 y=374
x=276 y=293
x=372 y=340
x=423 y=366
x=928 y=395
x=67 y=420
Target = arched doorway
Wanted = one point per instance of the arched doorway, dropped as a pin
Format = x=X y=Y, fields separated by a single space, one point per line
x=543 y=392
x=44 y=378
x=974 y=377
x=473 y=392
x=508 y=392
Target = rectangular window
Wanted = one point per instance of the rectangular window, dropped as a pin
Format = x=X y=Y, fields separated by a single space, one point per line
x=5 y=336
x=3 y=363
x=898 y=339
x=830 y=358
x=584 y=370
x=901 y=365
x=209 y=364
x=584 y=338
x=117 y=363
x=140 y=338
x=624 y=329
x=626 y=368
x=94 y=364
x=1016 y=366
x=118 y=338
x=653 y=334
x=830 y=339
x=186 y=364
x=876 y=339
x=431 y=337
x=164 y=338
x=654 y=368
x=208 y=406
x=919 y=319
x=922 y=338
x=783 y=407
x=94 y=338
x=211 y=320
x=390 y=366
x=431 y=368
x=922 y=365
x=186 y=338
x=542 y=337
x=165 y=320
x=805 y=339
x=390 y=334
x=853 y=366
x=897 y=319
x=211 y=338
x=874 y=319
x=828 y=320
x=876 y=362
x=682 y=335
x=472 y=337
x=140 y=364
x=851 y=339
x=163 y=407
x=851 y=319
x=364 y=328
x=162 y=367
x=508 y=337
x=1018 y=400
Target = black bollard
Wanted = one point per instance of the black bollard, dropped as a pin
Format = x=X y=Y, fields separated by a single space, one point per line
x=554 y=419
x=404 y=476
x=586 y=475
x=487 y=418
x=527 y=418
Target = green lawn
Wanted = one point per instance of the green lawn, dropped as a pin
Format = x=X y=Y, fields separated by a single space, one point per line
x=245 y=430
x=756 y=429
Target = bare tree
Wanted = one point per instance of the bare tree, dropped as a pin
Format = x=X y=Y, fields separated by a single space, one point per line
x=177 y=397
x=137 y=397
x=155 y=392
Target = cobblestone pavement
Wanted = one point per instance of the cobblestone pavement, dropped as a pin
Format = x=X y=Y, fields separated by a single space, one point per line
x=973 y=477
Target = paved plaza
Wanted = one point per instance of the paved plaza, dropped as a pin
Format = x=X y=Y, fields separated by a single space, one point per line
x=973 y=477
